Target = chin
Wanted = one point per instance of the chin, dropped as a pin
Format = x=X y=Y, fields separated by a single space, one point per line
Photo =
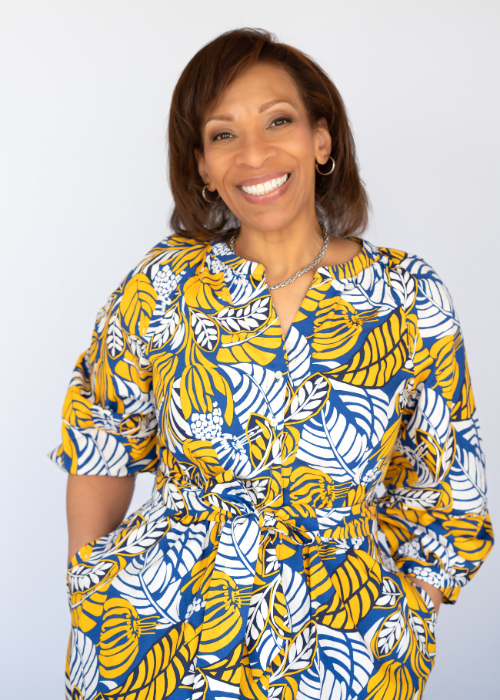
x=281 y=217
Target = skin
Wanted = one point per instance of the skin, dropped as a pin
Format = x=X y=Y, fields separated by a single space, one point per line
x=95 y=506
x=258 y=130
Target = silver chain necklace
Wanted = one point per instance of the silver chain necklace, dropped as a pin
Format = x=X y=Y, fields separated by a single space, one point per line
x=316 y=260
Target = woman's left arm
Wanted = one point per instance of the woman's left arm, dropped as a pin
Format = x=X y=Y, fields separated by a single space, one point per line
x=433 y=517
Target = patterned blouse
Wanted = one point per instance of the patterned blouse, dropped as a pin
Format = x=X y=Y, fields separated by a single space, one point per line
x=301 y=482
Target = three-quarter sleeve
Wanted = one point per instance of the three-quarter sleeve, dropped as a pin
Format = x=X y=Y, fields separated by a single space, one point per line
x=109 y=417
x=433 y=519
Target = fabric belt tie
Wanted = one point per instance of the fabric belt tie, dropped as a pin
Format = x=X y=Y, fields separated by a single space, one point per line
x=234 y=586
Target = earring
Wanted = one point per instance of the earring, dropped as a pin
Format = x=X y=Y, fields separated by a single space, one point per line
x=331 y=169
x=204 y=195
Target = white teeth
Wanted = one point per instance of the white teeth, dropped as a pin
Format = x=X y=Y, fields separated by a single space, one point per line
x=266 y=187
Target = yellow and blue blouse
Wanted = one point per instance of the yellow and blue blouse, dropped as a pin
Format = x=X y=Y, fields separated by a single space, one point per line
x=302 y=482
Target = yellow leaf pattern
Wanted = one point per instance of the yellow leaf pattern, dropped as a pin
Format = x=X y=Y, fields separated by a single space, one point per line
x=302 y=483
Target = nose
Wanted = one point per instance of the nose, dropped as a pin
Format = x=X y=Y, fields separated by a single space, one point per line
x=255 y=150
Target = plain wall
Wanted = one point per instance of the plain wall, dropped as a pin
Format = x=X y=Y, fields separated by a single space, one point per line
x=85 y=90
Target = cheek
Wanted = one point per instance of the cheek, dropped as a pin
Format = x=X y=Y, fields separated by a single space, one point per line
x=301 y=146
x=217 y=164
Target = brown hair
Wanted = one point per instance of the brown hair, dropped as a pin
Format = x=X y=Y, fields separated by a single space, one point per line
x=340 y=198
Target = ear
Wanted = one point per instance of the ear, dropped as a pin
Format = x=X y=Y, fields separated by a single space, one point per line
x=202 y=168
x=322 y=141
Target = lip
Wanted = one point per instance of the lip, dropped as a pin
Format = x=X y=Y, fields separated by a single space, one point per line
x=270 y=196
x=262 y=178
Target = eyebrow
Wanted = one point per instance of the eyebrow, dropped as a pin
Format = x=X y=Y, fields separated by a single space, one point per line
x=262 y=108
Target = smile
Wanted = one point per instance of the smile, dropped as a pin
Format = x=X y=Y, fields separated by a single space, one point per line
x=266 y=187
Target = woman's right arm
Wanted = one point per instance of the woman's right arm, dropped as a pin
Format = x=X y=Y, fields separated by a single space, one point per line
x=109 y=419
x=95 y=506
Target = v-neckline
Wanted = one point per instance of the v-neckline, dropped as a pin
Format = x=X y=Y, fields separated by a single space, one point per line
x=247 y=268
x=295 y=319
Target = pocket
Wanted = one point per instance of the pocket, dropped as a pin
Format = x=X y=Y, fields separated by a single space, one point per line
x=423 y=623
x=84 y=553
x=426 y=599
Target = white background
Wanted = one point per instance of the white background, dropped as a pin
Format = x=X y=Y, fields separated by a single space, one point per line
x=85 y=91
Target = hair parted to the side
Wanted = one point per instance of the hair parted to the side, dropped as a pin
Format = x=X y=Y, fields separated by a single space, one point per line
x=341 y=199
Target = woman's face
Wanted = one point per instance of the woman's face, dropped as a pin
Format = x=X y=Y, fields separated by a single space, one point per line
x=260 y=149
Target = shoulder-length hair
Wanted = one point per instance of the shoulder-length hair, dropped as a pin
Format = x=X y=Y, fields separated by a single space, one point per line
x=341 y=200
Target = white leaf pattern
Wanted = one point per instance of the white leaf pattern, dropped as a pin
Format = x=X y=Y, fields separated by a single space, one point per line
x=270 y=508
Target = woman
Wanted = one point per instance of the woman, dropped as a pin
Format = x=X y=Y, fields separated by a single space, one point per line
x=304 y=400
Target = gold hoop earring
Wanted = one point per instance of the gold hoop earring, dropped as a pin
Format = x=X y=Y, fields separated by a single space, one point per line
x=331 y=169
x=204 y=195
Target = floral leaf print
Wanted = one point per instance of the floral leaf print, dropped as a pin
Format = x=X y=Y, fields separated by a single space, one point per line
x=437 y=459
x=381 y=356
x=198 y=385
x=431 y=415
x=390 y=633
x=298 y=602
x=352 y=419
x=446 y=364
x=258 y=617
x=223 y=621
x=120 y=632
x=435 y=309
x=206 y=291
x=206 y=332
x=163 y=372
x=389 y=595
x=103 y=314
x=405 y=286
x=199 y=686
x=417 y=498
x=114 y=338
x=313 y=486
x=159 y=573
x=257 y=347
x=467 y=474
x=84 y=669
x=332 y=443
x=301 y=650
x=137 y=304
x=369 y=290
x=166 y=327
x=308 y=400
x=238 y=549
x=346 y=663
x=175 y=426
x=202 y=453
x=179 y=252
x=98 y=452
x=260 y=435
x=299 y=356
x=393 y=681
x=337 y=328
x=251 y=317
x=418 y=628
x=254 y=389
x=357 y=582
x=162 y=669
x=255 y=569
x=465 y=406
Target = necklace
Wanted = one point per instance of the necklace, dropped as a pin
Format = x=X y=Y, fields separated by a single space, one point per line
x=316 y=260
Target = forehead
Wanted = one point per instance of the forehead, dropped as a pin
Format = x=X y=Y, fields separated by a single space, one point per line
x=256 y=86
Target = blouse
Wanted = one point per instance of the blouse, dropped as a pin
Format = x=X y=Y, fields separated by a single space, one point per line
x=300 y=481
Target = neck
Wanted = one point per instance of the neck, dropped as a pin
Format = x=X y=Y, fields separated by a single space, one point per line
x=282 y=251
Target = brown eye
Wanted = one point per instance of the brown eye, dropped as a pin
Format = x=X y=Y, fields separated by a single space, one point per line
x=280 y=121
x=222 y=136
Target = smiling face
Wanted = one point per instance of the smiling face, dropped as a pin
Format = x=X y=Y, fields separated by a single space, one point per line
x=260 y=150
